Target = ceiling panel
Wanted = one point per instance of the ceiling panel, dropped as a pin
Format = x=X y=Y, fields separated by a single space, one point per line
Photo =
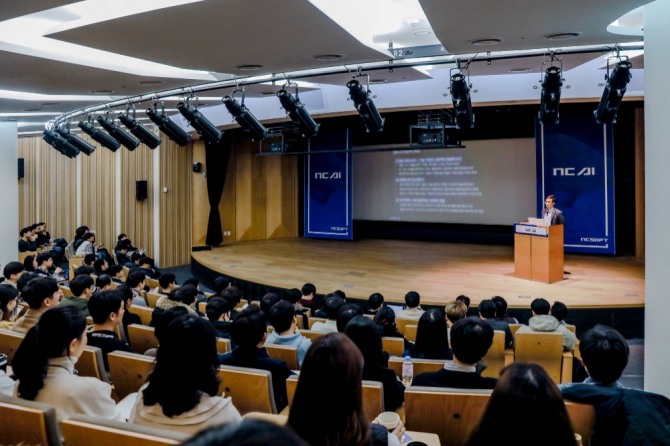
x=11 y=9
x=376 y=77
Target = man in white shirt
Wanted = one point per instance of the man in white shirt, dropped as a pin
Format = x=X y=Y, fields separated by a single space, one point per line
x=412 y=308
x=332 y=307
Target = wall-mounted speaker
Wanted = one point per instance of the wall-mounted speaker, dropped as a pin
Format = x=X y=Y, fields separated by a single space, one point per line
x=21 y=168
x=197 y=167
x=141 y=190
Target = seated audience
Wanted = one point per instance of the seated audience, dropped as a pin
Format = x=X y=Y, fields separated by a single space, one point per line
x=128 y=317
x=525 y=395
x=327 y=408
x=218 y=312
x=455 y=310
x=375 y=302
x=149 y=267
x=385 y=320
x=249 y=333
x=233 y=294
x=268 y=301
x=308 y=299
x=12 y=273
x=101 y=266
x=623 y=416
x=412 y=309
x=116 y=273
x=487 y=313
x=30 y=263
x=283 y=319
x=293 y=296
x=107 y=308
x=40 y=294
x=543 y=322
x=45 y=266
x=181 y=392
x=501 y=310
x=82 y=287
x=122 y=255
x=166 y=284
x=196 y=283
x=87 y=245
x=465 y=299
x=9 y=300
x=249 y=432
x=89 y=260
x=135 y=281
x=84 y=269
x=331 y=307
x=44 y=365
x=365 y=334
x=221 y=283
x=560 y=311
x=347 y=313
x=27 y=240
x=431 y=337
x=161 y=320
x=104 y=283
x=471 y=338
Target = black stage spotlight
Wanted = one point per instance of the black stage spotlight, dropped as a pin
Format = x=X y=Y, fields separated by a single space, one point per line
x=149 y=138
x=167 y=126
x=460 y=97
x=98 y=135
x=298 y=114
x=244 y=118
x=613 y=93
x=366 y=108
x=550 y=96
x=59 y=143
x=125 y=138
x=83 y=146
x=201 y=124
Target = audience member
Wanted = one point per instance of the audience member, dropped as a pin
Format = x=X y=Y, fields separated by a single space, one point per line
x=283 y=319
x=543 y=322
x=104 y=283
x=471 y=338
x=309 y=299
x=82 y=287
x=45 y=266
x=196 y=283
x=161 y=320
x=30 y=263
x=375 y=302
x=107 y=308
x=89 y=260
x=27 y=240
x=268 y=301
x=40 y=294
x=465 y=299
x=365 y=334
x=331 y=307
x=121 y=254
x=293 y=296
x=385 y=320
x=87 y=245
x=249 y=332
x=9 y=300
x=12 y=273
x=84 y=269
x=166 y=284
x=116 y=273
x=149 y=267
x=128 y=317
x=487 y=312
x=327 y=408
x=218 y=312
x=412 y=308
x=221 y=283
x=431 y=337
x=181 y=392
x=101 y=266
x=135 y=281
x=249 y=432
x=501 y=310
x=560 y=311
x=525 y=392
x=347 y=313
x=234 y=295
x=455 y=310
x=44 y=365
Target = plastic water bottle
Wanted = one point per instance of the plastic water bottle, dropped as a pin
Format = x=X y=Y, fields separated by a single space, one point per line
x=407 y=371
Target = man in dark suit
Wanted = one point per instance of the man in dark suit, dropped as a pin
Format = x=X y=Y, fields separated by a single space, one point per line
x=551 y=215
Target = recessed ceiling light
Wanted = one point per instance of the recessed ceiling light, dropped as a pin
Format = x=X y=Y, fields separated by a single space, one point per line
x=485 y=42
x=32 y=110
x=50 y=104
x=561 y=36
x=422 y=32
x=328 y=57
x=249 y=67
x=378 y=81
x=150 y=83
x=520 y=70
x=413 y=21
x=101 y=91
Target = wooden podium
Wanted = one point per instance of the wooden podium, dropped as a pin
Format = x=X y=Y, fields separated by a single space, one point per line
x=538 y=252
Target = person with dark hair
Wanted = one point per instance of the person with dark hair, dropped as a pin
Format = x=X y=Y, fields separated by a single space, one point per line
x=560 y=311
x=501 y=310
x=293 y=296
x=525 y=392
x=233 y=294
x=45 y=266
x=412 y=309
x=283 y=319
x=328 y=405
x=40 y=294
x=27 y=240
x=332 y=307
x=104 y=282
x=30 y=263
x=87 y=246
x=249 y=332
x=375 y=302
x=471 y=338
x=121 y=254
x=128 y=317
x=465 y=299
x=347 y=313
x=249 y=432
x=218 y=312
x=184 y=296
x=543 y=322
x=167 y=283
x=385 y=320
x=135 y=281
x=89 y=260
x=196 y=283
x=101 y=266
x=107 y=308
x=9 y=300
x=149 y=267
x=221 y=283
x=12 y=273
x=551 y=215
x=367 y=337
x=84 y=269
x=181 y=392
x=44 y=365
x=268 y=301
x=116 y=273
x=82 y=287
x=623 y=416
x=432 y=341
x=24 y=280
x=308 y=298
x=487 y=313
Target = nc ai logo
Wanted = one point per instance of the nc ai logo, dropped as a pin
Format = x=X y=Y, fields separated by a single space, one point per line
x=328 y=175
x=572 y=172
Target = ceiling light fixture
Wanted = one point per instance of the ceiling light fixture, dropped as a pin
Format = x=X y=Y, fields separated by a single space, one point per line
x=244 y=118
x=59 y=143
x=297 y=112
x=485 y=42
x=460 y=98
x=614 y=91
x=328 y=57
x=550 y=97
x=366 y=108
x=98 y=135
x=201 y=124
x=125 y=138
x=249 y=67
x=167 y=126
x=149 y=138
x=80 y=144
x=561 y=36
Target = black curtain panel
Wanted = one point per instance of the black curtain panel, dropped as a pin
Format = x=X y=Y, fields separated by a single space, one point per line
x=216 y=159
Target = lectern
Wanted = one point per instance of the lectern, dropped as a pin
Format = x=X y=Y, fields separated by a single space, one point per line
x=538 y=252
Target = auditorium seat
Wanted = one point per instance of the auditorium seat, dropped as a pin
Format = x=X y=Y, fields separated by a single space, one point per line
x=314 y=320
x=312 y=335
x=410 y=332
x=545 y=349
x=74 y=263
x=514 y=327
x=420 y=365
x=151 y=283
x=393 y=346
x=152 y=298
x=498 y=356
x=142 y=338
x=143 y=312
x=250 y=389
x=202 y=307
x=130 y=371
x=286 y=353
x=9 y=343
x=66 y=290
x=223 y=345
x=402 y=323
x=91 y=363
x=84 y=430
x=28 y=423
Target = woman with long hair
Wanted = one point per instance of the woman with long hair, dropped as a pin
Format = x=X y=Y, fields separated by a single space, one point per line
x=44 y=366
x=525 y=393
x=432 y=341
x=30 y=263
x=181 y=392
x=327 y=408
x=9 y=299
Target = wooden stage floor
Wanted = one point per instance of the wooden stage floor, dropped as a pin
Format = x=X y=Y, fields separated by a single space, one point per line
x=438 y=271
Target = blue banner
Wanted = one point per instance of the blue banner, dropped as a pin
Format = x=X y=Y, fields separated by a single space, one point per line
x=575 y=162
x=328 y=187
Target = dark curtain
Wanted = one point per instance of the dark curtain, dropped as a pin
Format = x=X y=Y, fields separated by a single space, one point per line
x=216 y=162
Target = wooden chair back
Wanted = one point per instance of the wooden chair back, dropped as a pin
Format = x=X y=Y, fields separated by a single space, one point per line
x=420 y=365
x=130 y=371
x=583 y=419
x=125 y=271
x=202 y=307
x=410 y=332
x=152 y=298
x=144 y=313
x=545 y=349
x=142 y=338
x=250 y=389
x=66 y=290
x=74 y=263
x=312 y=335
x=84 y=430
x=373 y=396
x=402 y=323
x=9 y=343
x=28 y=422
x=152 y=283
x=495 y=357
x=313 y=320
x=514 y=327
x=393 y=346
x=23 y=255
x=286 y=353
x=223 y=345
x=91 y=363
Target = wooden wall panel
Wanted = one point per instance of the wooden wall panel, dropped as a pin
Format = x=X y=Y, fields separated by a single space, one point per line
x=175 y=204
x=281 y=207
x=228 y=203
x=250 y=193
x=57 y=192
x=639 y=184
x=199 y=203
x=137 y=215
x=98 y=192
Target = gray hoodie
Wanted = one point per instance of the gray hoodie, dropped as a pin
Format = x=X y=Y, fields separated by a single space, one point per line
x=549 y=324
x=295 y=340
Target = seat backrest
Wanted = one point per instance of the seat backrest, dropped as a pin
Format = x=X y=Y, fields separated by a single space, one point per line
x=74 y=263
x=84 y=430
x=582 y=418
x=420 y=365
x=544 y=349
x=402 y=323
x=393 y=346
x=223 y=345
x=28 y=422
x=91 y=363
x=130 y=371
x=373 y=395
x=152 y=298
x=314 y=320
x=312 y=335
x=450 y=413
x=250 y=389
x=9 y=343
x=202 y=307
x=142 y=338
x=495 y=357
x=144 y=313
x=66 y=290
x=152 y=283
x=410 y=332
x=286 y=353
